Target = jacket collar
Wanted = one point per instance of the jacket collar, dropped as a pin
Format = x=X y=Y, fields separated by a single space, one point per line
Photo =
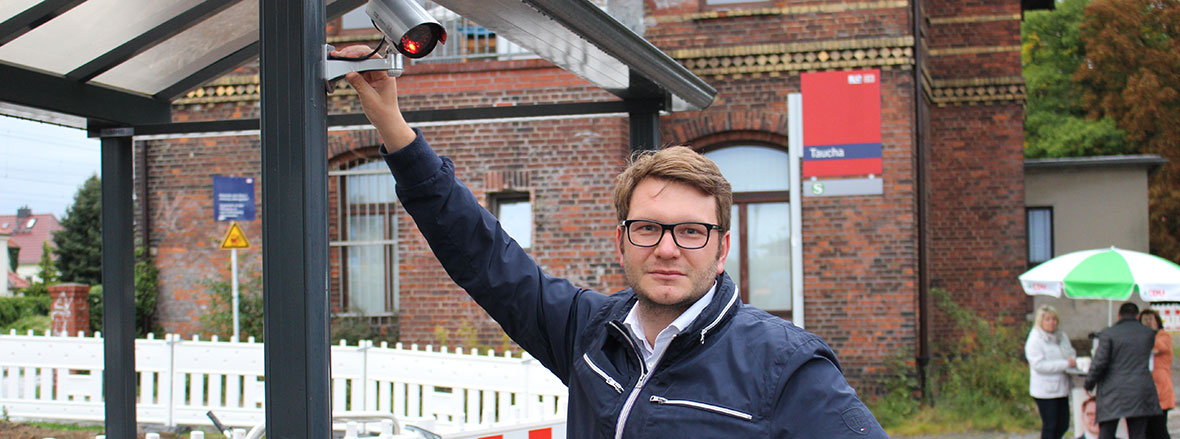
x=1127 y=319
x=724 y=305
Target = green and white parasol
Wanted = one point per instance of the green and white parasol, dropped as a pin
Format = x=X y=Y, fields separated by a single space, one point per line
x=1111 y=274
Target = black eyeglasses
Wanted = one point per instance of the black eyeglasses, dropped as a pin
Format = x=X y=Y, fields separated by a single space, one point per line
x=686 y=235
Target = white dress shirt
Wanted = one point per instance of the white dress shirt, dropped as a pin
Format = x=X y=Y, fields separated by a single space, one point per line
x=651 y=354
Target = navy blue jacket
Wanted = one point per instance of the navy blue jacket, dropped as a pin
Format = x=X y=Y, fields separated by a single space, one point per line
x=736 y=371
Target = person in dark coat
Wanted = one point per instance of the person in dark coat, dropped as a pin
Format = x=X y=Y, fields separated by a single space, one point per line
x=1119 y=371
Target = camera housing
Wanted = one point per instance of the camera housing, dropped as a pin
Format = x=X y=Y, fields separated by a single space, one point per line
x=407 y=26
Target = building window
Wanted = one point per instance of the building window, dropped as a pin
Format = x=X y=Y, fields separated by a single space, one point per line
x=366 y=236
x=759 y=258
x=515 y=213
x=1040 y=234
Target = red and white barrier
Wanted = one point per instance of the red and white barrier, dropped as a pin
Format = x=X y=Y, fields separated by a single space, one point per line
x=547 y=429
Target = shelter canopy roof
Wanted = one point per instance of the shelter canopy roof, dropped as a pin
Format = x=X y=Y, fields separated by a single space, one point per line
x=122 y=62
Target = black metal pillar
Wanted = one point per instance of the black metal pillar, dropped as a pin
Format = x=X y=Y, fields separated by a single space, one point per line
x=295 y=219
x=118 y=279
x=645 y=125
x=644 y=102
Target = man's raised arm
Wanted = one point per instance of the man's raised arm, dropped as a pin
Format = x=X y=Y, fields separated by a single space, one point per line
x=378 y=94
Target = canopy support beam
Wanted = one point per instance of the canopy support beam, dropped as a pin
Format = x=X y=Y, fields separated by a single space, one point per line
x=118 y=281
x=295 y=219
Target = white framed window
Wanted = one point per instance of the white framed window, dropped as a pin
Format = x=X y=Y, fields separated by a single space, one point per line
x=515 y=212
x=759 y=259
x=1040 y=234
x=365 y=233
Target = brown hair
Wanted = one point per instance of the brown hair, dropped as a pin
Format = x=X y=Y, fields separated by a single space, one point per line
x=679 y=164
x=1159 y=321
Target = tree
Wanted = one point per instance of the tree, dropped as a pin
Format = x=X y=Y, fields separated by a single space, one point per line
x=46 y=273
x=1131 y=74
x=1056 y=122
x=146 y=292
x=79 y=243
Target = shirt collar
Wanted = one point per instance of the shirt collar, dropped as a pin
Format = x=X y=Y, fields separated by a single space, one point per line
x=686 y=318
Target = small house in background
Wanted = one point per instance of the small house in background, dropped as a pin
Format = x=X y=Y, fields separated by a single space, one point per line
x=29 y=231
x=1083 y=203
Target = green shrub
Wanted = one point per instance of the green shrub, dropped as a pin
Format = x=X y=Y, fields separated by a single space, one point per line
x=16 y=308
x=35 y=322
x=900 y=402
x=147 y=287
x=984 y=381
x=146 y=291
x=219 y=318
x=360 y=327
x=978 y=382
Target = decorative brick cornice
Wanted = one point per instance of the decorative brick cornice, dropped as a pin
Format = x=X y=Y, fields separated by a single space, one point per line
x=774 y=59
x=224 y=89
x=972 y=91
x=972 y=19
x=827 y=8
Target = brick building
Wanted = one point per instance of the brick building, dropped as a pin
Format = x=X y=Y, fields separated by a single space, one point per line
x=951 y=214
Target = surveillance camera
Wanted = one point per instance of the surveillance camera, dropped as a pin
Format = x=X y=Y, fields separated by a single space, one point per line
x=405 y=23
x=412 y=31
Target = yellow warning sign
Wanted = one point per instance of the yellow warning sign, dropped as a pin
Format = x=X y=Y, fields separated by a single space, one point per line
x=234 y=238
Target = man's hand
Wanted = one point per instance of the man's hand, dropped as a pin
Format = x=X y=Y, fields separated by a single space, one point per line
x=378 y=94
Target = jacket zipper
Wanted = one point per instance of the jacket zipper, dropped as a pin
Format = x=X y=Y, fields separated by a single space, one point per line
x=638 y=384
x=702 y=406
x=609 y=380
x=732 y=299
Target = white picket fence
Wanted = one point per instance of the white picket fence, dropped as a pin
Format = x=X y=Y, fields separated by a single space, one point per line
x=46 y=377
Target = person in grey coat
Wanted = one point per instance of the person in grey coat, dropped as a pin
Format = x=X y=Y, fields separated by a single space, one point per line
x=1119 y=371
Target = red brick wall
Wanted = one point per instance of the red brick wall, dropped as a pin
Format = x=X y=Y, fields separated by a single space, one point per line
x=69 y=310
x=184 y=236
x=977 y=243
x=976 y=213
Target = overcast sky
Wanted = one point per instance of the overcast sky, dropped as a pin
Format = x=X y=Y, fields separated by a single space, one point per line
x=42 y=165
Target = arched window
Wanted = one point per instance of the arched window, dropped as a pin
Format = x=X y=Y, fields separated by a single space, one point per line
x=365 y=233
x=759 y=258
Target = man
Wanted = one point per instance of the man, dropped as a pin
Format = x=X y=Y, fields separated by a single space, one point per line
x=1119 y=370
x=677 y=354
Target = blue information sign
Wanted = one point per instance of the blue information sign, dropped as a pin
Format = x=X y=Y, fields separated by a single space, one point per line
x=233 y=198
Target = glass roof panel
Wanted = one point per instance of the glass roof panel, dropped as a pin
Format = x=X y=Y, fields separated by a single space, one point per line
x=9 y=8
x=87 y=31
x=187 y=52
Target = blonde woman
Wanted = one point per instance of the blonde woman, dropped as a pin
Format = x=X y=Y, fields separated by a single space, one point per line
x=1049 y=354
